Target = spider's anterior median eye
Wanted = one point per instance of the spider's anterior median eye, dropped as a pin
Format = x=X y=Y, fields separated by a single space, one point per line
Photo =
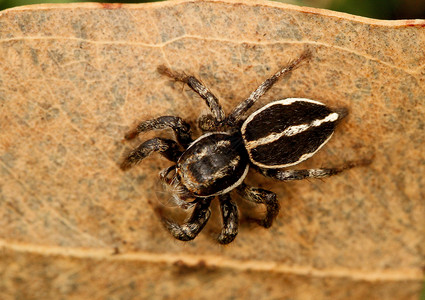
x=287 y=132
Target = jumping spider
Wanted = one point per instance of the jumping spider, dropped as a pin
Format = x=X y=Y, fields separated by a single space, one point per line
x=281 y=134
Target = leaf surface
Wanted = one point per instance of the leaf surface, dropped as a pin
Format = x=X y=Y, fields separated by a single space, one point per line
x=75 y=78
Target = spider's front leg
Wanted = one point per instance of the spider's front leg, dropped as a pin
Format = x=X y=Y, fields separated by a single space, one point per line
x=181 y=128
x=167 y=148
x=209 y=122
x=191 y=228
x=237 y=115
x=261 y=196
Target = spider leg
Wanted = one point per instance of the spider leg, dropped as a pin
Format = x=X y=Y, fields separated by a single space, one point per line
x=190 y=229
x=288 y=175
x=167 y=148
x=208 y=122
x=237 y=114
x=181 y=128
x=261 y=196
x=230 y=216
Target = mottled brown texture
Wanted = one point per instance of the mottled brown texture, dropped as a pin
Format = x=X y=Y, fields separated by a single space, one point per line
x=75 y=78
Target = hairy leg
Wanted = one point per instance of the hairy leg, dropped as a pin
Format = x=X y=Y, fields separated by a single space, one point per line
x=229 y=213
x=288 y=175
x=180 y=128
x=167 y=148
x=237 y=114
x=261 y=196
x=191 y=228
x=217 y=114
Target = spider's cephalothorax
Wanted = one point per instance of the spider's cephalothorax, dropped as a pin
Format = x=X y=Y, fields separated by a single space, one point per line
x=280 y=134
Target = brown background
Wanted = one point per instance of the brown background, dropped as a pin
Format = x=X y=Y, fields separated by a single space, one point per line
x=75 y=78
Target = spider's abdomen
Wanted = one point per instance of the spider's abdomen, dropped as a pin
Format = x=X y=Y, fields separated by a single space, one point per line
x=287 y=132
x=214 y=164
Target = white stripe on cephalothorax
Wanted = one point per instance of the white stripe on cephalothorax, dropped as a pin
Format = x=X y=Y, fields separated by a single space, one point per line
x=206 y=151
x=204 y=136
x=291 y=131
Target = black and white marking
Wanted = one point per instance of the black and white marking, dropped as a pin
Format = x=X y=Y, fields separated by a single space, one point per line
x=213 y=164
x=281 y=134
x=287 y=132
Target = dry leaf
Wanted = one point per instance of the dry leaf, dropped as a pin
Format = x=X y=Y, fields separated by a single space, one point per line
x=74 y=78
